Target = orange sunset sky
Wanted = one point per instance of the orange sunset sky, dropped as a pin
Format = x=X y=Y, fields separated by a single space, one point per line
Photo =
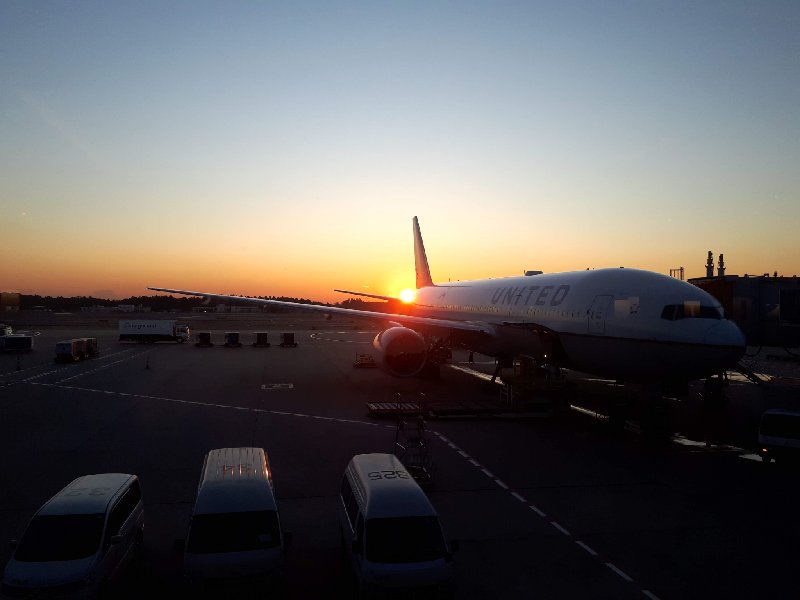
x=283 y=149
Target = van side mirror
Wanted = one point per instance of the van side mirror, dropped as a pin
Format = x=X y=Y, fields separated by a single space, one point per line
x=358 y=547
x=115 y=539
x=179 y=544
x=12 y=544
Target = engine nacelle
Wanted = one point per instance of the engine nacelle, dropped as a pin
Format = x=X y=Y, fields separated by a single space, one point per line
x=402 y=351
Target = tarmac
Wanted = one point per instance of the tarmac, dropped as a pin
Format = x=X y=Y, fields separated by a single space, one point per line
x=553 y=504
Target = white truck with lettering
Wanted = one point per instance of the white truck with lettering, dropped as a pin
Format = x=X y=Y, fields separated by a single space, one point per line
x=151 y=331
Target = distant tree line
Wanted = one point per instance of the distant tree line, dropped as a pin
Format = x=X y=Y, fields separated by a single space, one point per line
x=173 y=303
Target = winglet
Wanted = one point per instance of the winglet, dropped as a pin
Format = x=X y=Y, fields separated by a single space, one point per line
x=421 y=259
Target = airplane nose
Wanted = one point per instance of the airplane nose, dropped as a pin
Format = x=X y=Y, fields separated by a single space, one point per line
x=727 y=334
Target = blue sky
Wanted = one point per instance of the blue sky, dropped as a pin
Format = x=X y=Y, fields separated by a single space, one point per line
x=235 y=144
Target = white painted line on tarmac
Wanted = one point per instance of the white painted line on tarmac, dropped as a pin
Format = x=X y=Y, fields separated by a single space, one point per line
x=560 y=528
x=111 y=364
x=207 y=404
x=537 y=511
x=477 y=374
x=542 y=514
x=585 y=547
x=622 y=574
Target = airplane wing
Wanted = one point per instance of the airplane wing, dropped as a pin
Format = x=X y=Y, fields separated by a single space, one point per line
x=474 y=326
x=378 y=296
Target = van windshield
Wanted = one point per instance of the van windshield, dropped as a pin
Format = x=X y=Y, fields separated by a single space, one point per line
x=783 y=426
x=404 y=540
x=233 y=532
x=60 y=537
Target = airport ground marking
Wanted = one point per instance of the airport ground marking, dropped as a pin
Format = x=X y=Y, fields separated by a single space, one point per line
x=62 y=368
x=206 y=404
x=316 y=336
x=620 y=572
x=560 y=528
x=589 y=550
x=20 y=372
x=537 y=511
x=116 y=362
x=585 y=547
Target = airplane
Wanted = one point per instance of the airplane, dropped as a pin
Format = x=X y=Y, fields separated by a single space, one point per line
x=624 y=324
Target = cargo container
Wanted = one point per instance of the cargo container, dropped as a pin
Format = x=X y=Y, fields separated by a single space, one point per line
x=69 y=350
x=91 y=347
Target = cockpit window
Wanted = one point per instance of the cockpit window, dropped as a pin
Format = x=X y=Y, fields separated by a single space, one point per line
x=691 y=309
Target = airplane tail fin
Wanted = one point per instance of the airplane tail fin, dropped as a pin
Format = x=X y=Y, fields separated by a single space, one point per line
x=421 y=259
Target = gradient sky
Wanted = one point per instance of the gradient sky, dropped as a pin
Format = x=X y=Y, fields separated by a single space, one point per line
x=282 y=148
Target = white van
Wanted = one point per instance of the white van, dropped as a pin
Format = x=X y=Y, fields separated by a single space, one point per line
x=779 y=434
x=389 y=528
x=79 y=542
x=234 y=531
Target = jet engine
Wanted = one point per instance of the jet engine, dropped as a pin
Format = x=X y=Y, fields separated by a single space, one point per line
x=402 y=351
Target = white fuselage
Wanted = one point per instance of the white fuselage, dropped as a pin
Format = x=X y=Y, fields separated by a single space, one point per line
x=613 y=322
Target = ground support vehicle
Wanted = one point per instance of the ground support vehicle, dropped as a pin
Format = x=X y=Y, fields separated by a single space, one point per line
x=70 y=350
x=16 y=342
x=390 y=531
x=80 y=541
x=152 y=330
x=779 y=435
x=235 y=532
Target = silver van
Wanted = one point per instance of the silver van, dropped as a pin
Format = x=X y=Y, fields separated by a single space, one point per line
x=235 y=531
x=79 y=541
x=779 y=434
x=389 y=529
